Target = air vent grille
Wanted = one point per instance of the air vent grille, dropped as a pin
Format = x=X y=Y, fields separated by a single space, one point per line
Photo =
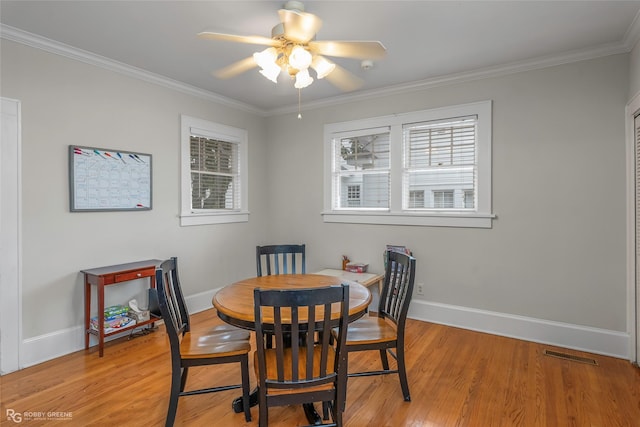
x=570 y=357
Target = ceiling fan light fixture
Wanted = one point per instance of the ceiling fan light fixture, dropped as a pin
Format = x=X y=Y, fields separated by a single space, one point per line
x=271 y=71
x=267 y=58
x=299 y=58
x=322 y=66
x=303 y=79
x=293 y=48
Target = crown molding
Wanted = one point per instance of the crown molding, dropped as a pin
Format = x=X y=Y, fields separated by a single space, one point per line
x=632 y=36
x=29 y=39
x=479 y=74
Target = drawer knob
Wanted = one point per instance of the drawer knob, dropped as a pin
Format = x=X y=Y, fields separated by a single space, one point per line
x=139 y=275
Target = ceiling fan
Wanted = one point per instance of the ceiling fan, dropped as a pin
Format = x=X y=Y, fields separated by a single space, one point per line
x=293 y=49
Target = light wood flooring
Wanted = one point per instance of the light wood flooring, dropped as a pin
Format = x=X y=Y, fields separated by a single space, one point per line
x=457 y=378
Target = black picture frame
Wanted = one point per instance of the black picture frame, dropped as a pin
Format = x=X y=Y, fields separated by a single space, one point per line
x=109 y=180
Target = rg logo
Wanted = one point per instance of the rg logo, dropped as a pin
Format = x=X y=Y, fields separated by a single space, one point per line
x=14 y=416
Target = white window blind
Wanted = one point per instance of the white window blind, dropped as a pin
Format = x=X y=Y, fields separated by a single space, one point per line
x=214 y=174
x=440 y=158
x=361 y=159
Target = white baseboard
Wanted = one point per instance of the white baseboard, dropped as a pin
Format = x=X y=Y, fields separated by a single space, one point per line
x=200 y=302
x=56 y=344
x=583 y=338
x=49 y=346
x=600 y=341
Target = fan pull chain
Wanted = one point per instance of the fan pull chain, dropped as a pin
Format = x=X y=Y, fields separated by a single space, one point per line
x=299 y=95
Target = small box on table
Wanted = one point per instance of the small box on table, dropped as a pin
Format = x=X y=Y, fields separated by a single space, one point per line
x=357 y=267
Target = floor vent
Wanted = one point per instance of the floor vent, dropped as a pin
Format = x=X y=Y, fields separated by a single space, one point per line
x=570 y=357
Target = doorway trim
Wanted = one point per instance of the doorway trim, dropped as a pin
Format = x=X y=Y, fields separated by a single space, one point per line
x=10 y=237
x=633 y=284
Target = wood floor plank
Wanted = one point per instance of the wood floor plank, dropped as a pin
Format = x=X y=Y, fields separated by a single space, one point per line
x=457 y=378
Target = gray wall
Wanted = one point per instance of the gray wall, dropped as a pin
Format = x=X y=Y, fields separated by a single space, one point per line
x=68 y=102
x=555 y=252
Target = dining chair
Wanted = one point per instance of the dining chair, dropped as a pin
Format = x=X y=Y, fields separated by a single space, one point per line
x=301 y=370
x=385 y=331
x=215 y=345
x=280 y=259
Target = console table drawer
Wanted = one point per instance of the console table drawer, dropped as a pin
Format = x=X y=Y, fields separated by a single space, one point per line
x=134 y=275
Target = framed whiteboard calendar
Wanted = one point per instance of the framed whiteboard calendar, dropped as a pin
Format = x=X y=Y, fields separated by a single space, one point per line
x=108 y=180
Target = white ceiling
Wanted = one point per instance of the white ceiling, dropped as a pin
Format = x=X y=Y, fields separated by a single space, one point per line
x=426 y=41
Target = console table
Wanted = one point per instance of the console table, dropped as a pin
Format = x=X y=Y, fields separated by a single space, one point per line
x=112 y=275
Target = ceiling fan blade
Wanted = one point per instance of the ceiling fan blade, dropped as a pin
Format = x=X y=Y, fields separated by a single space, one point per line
x=239 y=39
x=299 y=27
x=349 y=49
x=236 y=68
x=344 y=80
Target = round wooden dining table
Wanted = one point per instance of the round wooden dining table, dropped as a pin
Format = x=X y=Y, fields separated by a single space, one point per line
x=234 y=302
x=235 y=305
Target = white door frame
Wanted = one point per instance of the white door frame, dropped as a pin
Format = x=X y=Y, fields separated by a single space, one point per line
x=633 y=284
x=10 y=237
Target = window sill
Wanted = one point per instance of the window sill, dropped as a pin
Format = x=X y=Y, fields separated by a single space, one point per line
x=470 y=220
x=213 y=218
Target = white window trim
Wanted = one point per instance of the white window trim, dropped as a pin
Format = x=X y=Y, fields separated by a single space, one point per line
x=223 y=132
x=482 y=217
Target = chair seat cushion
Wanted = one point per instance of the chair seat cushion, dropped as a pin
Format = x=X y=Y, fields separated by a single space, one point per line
x=214 y=343
x=225 y=331
x=370 y=329
x=272 y=371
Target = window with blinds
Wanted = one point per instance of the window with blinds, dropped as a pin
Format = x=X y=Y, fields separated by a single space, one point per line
x=440 y=158
x=361 y=170
x=430 y=167
x=214 y=173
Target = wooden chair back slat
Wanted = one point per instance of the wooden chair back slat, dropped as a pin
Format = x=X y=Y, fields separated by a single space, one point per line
x=280 y=259
x=304 y=356
x=398 y=287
